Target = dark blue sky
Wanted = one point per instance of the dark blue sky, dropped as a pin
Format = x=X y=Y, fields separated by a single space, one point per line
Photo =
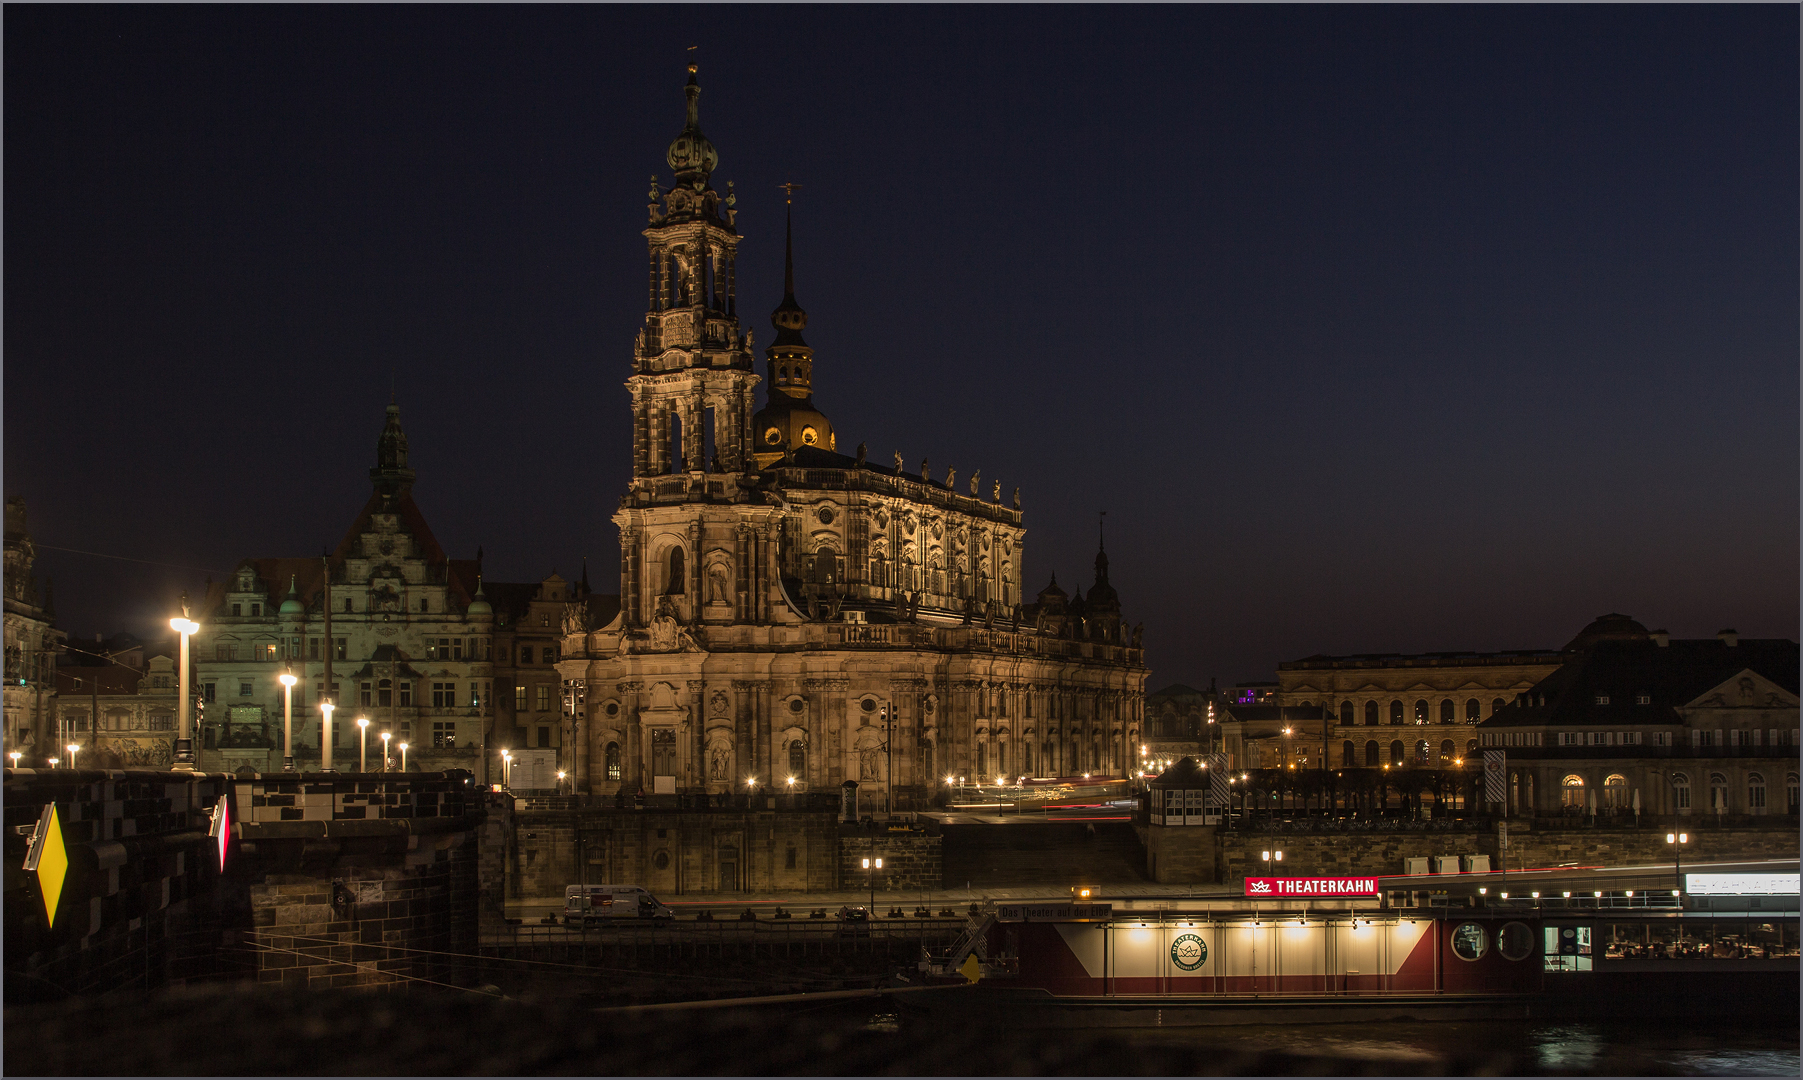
x=1373 y=329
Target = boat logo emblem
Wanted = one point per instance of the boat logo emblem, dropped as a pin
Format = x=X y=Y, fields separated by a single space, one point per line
x=1189 y=952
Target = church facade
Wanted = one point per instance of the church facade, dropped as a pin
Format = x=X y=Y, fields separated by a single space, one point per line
x=792 y=617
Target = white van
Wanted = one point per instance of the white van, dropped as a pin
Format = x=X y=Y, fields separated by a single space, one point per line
x=592 y=903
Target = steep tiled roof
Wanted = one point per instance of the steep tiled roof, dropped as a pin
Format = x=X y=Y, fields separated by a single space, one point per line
x=1624 y=669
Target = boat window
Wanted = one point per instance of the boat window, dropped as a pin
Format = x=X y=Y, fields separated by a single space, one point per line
x=1469 y=941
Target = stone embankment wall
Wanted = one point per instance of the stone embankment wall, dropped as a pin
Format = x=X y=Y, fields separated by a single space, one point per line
x=355 y=880
x=327 y=879
x=139 y=903
x=911 y=860
x=670 y=852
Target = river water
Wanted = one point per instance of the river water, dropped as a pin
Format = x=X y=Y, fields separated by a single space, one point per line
x=1522 y=1048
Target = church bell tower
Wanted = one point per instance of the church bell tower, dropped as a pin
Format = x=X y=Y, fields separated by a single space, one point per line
x=692 y=378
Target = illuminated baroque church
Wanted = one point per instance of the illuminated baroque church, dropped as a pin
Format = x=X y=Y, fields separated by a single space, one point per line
x=779 y=598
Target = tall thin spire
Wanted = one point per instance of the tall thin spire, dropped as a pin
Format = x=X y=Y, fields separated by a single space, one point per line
x=789 y=191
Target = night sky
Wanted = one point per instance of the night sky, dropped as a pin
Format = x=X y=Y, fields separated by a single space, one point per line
x=1372 y=329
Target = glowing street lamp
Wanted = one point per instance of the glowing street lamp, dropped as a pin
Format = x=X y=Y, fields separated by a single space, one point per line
x=791 y=783
x=1677 y=841
x=362 y=744
x=325 y=736
x=560 y=776
x=385 y=737
x=287 y=680
x=871 y=881
x=73 y=748
x=53 y=762
x=184 y=725
x=403 y=757
x=507 y=768
x=15 y=755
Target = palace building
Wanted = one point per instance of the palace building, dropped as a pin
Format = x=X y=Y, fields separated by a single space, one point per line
x=792 y=617
x=392 y=630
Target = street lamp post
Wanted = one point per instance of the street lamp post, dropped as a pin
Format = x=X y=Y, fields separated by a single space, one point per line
x=287 y=680
x=385 y=737
x=325 y=736
x=507 y=769
x=15 y=755
x=362 y=744
x=1677 y=841
x=54 y=761
x=73 y=748
x=184 y=725
x=403 y=757
x=870 y=880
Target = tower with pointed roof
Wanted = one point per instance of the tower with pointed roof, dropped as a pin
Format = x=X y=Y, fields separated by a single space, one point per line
x=32 y=643
x=692 y=379
x=416 y=641
x=790 y=419
x=779 y=598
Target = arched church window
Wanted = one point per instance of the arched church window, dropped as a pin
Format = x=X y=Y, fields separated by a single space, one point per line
x=1396 y=751
x=798 y=760
x=612 y=758
x=1371 y=754
x=1395 y=712
x=1448 y=711
x=1422 y=752
x=677 y=573
x=1346 y=714
x=1472 y=710
x=1421 y=716
x=1448 y=749
x=1370 y=714
x=1347 y=753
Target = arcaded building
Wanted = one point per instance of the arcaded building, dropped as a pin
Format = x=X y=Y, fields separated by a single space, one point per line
x=780 y=598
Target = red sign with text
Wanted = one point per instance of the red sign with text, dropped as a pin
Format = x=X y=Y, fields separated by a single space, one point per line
x=1311 y=886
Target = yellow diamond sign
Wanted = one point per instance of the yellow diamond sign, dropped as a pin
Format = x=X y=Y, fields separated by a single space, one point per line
x=49 y=859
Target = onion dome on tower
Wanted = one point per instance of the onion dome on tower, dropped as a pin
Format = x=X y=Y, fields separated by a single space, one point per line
x=790 y=420
x=291 y=605
x=692 y=158
x=480 y=609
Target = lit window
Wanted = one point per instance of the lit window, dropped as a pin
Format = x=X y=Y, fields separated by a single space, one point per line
x=1602 y=699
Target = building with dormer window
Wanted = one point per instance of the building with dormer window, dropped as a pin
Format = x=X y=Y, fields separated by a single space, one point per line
x=1638 y=720
x=391 y=629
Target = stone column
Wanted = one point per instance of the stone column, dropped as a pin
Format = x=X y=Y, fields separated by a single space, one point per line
x=744 y=722
x=632 y=769
x=694 y=437
x=581 y=731
x=641 y=439
x=693 y=571
x=741 y=575
x=633 y=573
x=697 y=774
